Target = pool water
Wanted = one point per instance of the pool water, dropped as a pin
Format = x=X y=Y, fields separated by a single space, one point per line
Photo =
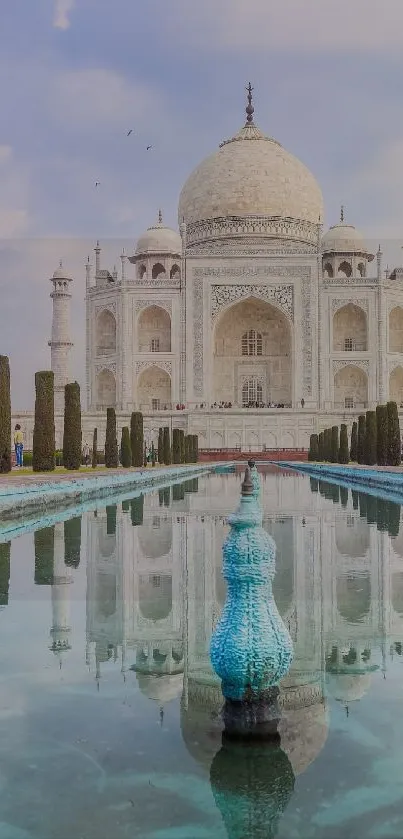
x=110 y=720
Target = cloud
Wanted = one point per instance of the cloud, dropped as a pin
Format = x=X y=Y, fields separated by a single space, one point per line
x=62 y=11
x=14 y=217
x=309 y=26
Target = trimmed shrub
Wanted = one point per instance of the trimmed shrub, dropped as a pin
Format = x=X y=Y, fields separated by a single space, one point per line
x=313 y=453
x=381 y=435
x=5 y=415
x=72 y=436
x=72 y=542
x=344 y=456
x=43 y=454
x=160 y=452
x=125 y=448
x=137 y=510
x=95 y=449
x=361 y=439
x=334 y=446
x=145 y=461
x=111 y=520
x=5 y=550
x=137 y=438
x=111 y=443
x=183 y=450
x=354 y=443
x=394 y=441
x=167 y=447
x=186 y=448
x=44 y=546
x=153 y=455
x=196 y=448
x=370 y=438
x=176 y=446
x=328 y=444
x=321 y=447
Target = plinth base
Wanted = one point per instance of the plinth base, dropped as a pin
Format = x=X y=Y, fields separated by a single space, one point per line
x=252 y=718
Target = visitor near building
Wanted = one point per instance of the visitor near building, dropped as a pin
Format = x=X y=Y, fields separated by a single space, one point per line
x=18 y=445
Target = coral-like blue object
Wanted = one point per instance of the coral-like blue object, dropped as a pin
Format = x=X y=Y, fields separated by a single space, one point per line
x=251 y=649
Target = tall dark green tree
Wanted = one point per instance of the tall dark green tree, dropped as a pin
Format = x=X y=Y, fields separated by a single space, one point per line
x=5 y=415
x=328 y=445
x=321 y=447
x=95 y=449
x=111 y=441
x=343 y=496
x=394 y=439
x=361 y=439
x=354 y=443
x=186 y=448
x=137 y=510
x=72 y=435
x=44 y=446
x=381 y=435
x=44 y=545
x=153 y=454
x=72 y=542
x=370 y=438
x=313 y=448
x=344 y=455
x=137 y=438
x=334 y=451
x=160 y=453
x=167 y=447
x=111 y=518
x=176 y=446
x=125 y=448
x=5 y=550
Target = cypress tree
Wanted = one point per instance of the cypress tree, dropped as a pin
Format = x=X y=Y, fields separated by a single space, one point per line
x=313 y=448
x=381 y=435
x=137 y=438
x=370 y=438
x=111 y=520
x=362 y=500
x=95 y=449
x=72 y=542
x=343 y=496
x=334 y=446
x=167 y=447
x=328 y=444
x=145 y=456
x=72 y=436
x=176 y=446
x=153 y=455
x=43 y=450
x=125 y=448
x=160 y=450
x=194 y=448
x=361 y=439
x=111 y=443
x=186 y=444
x=394 y=441
x=354 y=443
x=137 y=510
x=343 y=448
x=5 y=415
x=321 y=446
x=44 y=546
x=5 y=550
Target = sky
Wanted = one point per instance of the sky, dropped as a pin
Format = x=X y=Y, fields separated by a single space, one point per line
x=76 y=75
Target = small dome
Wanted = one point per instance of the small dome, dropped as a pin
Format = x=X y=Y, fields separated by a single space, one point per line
x=61 y=273
x=159 y=239
x=160 y=688
x=346 y=687
x=344 y=239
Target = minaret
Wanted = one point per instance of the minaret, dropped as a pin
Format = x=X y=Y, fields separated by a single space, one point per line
x=60 y=343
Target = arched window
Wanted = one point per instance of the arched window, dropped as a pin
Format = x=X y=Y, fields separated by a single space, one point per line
x=252 y=343
x=158 y=271
x=252 y=392
x=328 y=269
x=142 y=271
x=175 y=272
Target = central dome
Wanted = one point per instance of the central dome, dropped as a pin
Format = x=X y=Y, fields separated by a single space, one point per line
x=251 y=175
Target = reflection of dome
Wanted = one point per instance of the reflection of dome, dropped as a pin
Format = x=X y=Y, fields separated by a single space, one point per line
x=160 y=688
x=251 y=175
x=159 y=239
x=344 y=239
x=348 y=687
x=155 y=541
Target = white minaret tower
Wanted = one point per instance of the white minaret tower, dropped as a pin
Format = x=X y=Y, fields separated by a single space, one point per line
x=60 y=343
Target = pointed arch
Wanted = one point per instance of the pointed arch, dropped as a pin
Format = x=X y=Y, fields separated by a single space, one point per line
x=351 y=387
x=158 y=270
x=106 y=333
x=350 y=329
x=154 y=330
x=106 y=389
x=396 y=330
x=154 y=389
x=396 y=385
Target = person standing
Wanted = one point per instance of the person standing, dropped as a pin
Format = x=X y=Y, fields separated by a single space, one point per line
x=19 y=445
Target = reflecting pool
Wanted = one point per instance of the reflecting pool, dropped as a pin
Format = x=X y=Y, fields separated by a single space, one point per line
x=110 y=720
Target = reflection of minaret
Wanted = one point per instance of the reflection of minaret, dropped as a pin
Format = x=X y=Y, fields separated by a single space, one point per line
x=60 y=343
x=61 y=629
x=4 y=573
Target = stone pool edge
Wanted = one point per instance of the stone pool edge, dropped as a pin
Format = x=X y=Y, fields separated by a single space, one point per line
x=27 y=499
x=372 y=478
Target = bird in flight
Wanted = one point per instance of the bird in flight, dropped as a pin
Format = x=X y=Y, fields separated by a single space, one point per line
x=97 y=183
x=129 y=132
x=149 y=147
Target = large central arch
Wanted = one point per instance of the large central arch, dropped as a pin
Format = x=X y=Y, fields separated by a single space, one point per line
x=252 y=353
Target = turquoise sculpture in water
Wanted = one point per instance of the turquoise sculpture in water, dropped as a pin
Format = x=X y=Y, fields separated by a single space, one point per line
x=254 y=474
x=251 y=649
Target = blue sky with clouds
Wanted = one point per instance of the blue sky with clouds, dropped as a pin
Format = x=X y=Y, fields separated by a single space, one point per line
x=75 y=75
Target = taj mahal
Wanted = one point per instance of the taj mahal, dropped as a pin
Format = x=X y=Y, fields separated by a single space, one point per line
x=248 y=325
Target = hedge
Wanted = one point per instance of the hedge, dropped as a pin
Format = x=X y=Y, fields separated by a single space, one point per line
x=125 y=448
x=381 y=435
x=137 y=438
x=72 y=435
x=370 y=438
x=321 y=447
x=394 y=442
x=111 y=443
x=354 y=442
x=160 y=450
x=5 y=415
x=361 y=439
x=344 y=455
x=44 y=445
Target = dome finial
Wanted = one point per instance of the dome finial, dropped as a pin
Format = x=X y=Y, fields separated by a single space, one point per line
x=249 y=108
x=159 y=216
x=342 y=214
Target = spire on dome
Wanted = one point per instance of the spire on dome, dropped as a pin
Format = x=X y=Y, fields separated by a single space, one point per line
x=249 y=108
x=159 y=216
x=342 y=214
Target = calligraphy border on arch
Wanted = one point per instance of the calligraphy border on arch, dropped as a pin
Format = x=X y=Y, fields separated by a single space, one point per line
x=282 y=296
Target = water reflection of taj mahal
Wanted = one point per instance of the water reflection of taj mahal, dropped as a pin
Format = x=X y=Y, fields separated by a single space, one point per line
x=155 y=591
